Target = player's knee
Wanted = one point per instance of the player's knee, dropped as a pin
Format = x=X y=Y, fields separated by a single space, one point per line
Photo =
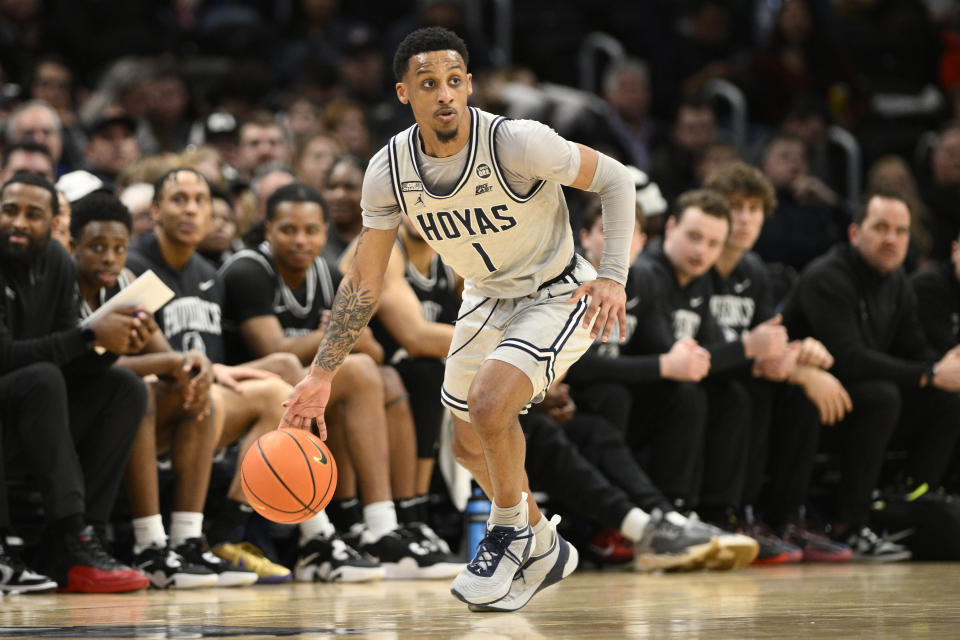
x=487 y=411
x=128 y=390
x=393 y=387
x=286 y=365
x=41 y=380
x=359 y=371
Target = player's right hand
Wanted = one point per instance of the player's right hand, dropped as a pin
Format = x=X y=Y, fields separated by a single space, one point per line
x=307 y=402
x=119 y=330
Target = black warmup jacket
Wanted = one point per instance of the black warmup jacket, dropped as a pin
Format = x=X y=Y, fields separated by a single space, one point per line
x=938 y=300
x=39 y=310
x=743 y=299
x=868 y=322
x=671 y=312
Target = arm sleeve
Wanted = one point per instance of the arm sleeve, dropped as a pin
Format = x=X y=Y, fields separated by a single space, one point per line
x=618 y=202
x=832 y=308
x=379 y=204
x=249 y=291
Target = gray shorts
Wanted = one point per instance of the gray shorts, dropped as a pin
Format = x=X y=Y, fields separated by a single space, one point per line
x=540 y=334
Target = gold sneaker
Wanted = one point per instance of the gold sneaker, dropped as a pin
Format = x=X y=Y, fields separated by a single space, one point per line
x=250 y=557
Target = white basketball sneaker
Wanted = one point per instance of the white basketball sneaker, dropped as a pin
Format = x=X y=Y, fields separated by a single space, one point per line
x=489 y=576
x=537 y=573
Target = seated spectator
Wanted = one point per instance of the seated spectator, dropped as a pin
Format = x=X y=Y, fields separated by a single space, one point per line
x=222 y=241
x=137 y=198
x=266 y=180
x=112 y=146
x=36 y=121
x=891 y=172
x=261 y=140
x=740 y=300
x=626 y=88
x=342 y=192
x=808 y=218
x=276 y=297
x=70 y=429
x=673 y=165
x=858 y=302
x=31 y=157
x=315 y=156
x=942 y=191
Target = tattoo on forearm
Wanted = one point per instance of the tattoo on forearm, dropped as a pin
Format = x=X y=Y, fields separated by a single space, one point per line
x=352 y=309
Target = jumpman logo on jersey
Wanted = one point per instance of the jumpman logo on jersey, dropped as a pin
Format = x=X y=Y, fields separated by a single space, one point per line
x=419 y=201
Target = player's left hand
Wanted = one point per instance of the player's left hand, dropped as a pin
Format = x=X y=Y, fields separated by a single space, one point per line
x=608 y=302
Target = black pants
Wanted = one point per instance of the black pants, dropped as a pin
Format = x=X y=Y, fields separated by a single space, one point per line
x=609 y=400
x=926 y=422
x=423 y=378
x=557 y=466
x=79 y=467
x=784 y=433
x=696 y=436
x=667 y=429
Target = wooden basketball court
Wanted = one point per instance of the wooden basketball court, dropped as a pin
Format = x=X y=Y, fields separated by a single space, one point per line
x=886 y=601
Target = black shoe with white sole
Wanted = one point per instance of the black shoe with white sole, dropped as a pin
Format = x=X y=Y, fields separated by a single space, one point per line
x=167 y=569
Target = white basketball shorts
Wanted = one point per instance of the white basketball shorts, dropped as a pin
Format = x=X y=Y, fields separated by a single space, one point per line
x=540 y=334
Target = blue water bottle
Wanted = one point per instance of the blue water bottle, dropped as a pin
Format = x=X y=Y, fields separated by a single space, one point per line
x=476 y=514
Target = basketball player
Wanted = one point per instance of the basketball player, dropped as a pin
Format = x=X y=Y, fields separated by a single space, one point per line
x=276 y=297
x=185 y=412
x=486 y=194
x=192 y=321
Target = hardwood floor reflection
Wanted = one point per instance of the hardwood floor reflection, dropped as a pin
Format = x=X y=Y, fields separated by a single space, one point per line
x=893 y=601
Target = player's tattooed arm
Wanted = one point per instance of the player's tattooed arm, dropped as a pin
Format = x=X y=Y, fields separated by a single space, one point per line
x=352 y=309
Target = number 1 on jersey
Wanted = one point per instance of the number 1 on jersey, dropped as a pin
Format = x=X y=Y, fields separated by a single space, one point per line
x=486 y=258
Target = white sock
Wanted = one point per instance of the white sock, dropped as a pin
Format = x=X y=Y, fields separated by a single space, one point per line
x=185 y=525
x=543 y=535
x=380 y=518
x=318 y=525
x=633 y=524
x=147 y=531
x=515 y=516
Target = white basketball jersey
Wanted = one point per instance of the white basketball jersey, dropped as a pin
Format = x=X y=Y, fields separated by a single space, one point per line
x=503 y=244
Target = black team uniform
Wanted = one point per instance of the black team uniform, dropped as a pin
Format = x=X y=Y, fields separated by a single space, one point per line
x=739 y=303
x=79 y=471
x=193 y=318
x=254 y=288
x=871 y=326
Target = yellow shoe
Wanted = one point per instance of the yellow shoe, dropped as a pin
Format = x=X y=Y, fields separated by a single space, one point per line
x=250 y=557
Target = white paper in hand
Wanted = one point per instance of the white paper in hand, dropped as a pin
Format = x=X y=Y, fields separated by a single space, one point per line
x=147 y=291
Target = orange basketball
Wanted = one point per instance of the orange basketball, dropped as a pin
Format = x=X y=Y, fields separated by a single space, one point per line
x=288 y=475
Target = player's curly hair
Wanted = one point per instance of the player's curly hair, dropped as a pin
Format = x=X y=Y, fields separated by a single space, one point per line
x=740 y=180
x=98 y=206
x=423 y=40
